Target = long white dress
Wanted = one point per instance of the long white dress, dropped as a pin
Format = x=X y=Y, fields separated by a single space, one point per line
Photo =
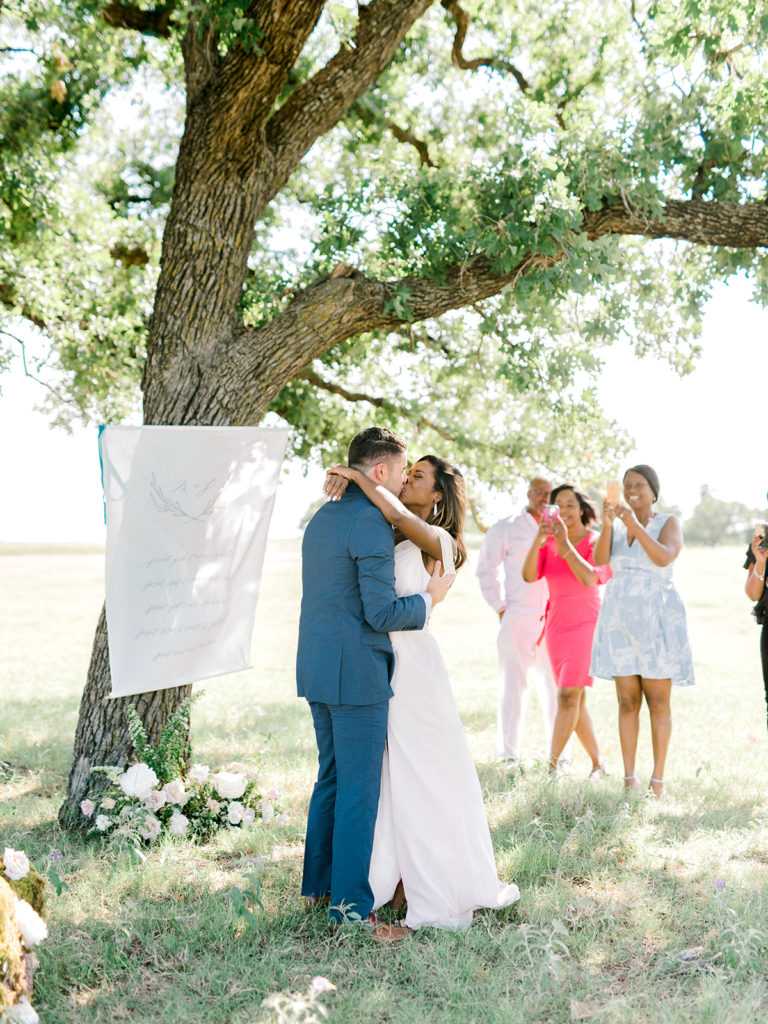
x=431 y=828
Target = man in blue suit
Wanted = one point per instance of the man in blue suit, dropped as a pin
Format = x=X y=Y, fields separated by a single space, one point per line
x=343 y=668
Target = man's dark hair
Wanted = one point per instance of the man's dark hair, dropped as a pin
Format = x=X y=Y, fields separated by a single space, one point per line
x=372 y=445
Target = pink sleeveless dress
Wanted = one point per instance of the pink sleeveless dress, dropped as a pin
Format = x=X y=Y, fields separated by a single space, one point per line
x=572 y=612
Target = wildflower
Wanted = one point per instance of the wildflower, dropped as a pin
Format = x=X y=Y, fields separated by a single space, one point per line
x=57 y=855
x=720 y=884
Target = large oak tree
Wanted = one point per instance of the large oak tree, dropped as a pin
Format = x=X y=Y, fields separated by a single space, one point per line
x=477 y=187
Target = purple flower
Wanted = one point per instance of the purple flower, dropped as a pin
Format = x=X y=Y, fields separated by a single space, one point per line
x=57 y=855
x=720 y=884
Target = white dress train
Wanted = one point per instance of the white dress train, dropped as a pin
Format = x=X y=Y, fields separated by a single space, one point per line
x=431 y=828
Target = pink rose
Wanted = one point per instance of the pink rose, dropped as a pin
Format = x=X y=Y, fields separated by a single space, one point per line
x=87 y=807
x=155 y=800
x=175 y=792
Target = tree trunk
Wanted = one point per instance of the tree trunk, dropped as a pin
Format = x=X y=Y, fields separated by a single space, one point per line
x=102 y=737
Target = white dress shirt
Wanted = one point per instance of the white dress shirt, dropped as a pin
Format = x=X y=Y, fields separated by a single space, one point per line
x=506 y=544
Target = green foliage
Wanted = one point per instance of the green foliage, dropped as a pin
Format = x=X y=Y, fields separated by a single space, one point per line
x=170 y=757
x=621 y=105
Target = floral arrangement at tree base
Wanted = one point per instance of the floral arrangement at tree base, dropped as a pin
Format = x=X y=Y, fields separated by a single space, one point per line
x=21 y=929
x=158 y=795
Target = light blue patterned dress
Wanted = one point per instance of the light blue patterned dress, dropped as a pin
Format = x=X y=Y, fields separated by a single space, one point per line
x=642 y=628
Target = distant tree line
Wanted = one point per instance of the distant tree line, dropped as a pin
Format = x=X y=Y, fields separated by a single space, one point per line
x=721 y=522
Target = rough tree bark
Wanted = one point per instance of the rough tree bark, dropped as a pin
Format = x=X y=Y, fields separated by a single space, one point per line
x=203 y=366
x=234 y=157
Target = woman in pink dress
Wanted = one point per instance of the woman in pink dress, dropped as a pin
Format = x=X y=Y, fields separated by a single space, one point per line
x=562 y=553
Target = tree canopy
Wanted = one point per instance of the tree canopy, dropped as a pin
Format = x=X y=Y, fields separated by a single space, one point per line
x=460 y=196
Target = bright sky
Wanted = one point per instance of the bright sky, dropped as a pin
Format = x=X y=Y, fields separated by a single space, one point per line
x=706 y=428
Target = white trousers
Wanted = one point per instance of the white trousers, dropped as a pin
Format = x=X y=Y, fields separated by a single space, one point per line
x=518 y=653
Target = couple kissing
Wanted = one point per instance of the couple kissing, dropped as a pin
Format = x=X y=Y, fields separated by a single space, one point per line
x=397 y=812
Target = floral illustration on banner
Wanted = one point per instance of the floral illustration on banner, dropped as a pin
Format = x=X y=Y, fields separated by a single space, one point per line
x=158 y=795
x=22 y=927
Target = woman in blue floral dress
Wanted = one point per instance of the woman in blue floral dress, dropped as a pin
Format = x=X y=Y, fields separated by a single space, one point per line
x=641 y=637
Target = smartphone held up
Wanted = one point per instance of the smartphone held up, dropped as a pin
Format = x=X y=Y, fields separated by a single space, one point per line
x=549 y=514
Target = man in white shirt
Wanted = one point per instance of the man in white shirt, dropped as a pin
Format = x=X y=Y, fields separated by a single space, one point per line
x=521 y=615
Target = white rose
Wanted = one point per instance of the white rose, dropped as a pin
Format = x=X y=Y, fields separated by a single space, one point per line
x=235 y=813
x=32 y=927
x=267 y=812
x=87 y=807
x=102 y=822
x=199 y=773
x=150 y=827
x=22 y=1012
x=175 y=792
x=155 y=799
x=228 y=785
x=249 y=816
x=178 y=824
x=16 y=864
x=138 y=781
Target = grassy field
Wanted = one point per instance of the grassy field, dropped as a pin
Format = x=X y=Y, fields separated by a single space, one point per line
x=631 y=910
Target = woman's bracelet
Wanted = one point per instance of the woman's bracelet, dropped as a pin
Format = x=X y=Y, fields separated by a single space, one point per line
x=758 y=574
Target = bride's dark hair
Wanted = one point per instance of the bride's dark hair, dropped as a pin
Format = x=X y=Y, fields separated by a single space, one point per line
x=453 y=507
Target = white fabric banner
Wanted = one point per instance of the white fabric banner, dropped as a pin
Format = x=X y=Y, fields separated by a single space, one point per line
x=187 y=515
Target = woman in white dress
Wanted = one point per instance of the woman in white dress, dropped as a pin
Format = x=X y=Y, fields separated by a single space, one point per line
x=431 y=831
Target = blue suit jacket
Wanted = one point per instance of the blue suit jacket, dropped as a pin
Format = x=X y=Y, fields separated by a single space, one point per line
x=349 y=603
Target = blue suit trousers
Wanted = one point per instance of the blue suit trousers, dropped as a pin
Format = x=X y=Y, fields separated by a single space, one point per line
x=344 y=804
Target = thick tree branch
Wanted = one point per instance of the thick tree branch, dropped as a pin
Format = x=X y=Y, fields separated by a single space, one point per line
x=335 y=308
x=315 y=107
x=154 y=21
x=736 y=225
